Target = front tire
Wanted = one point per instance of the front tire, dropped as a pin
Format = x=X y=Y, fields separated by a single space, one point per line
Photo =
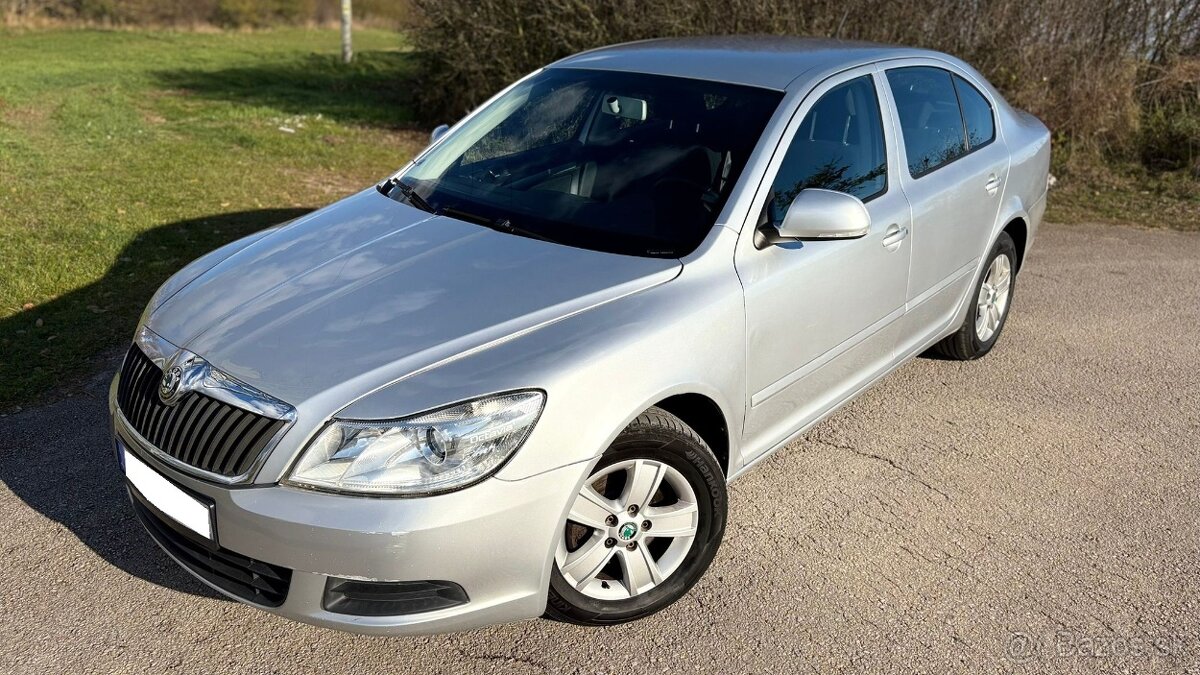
x=993 y=298
x=643 y=528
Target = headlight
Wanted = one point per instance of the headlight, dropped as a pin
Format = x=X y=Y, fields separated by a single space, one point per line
x=434 y=452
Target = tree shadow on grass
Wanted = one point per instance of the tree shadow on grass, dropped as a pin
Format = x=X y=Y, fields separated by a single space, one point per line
x=373 y=90
x=58 y=458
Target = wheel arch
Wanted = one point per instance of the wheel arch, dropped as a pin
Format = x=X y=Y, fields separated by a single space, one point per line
x=1016 y=224
x=706 y=418
x=1018 y=229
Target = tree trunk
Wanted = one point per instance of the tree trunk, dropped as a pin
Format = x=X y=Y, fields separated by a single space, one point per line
x=347 y=52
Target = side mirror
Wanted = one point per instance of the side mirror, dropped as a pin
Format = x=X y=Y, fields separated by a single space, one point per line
x=438 y=133
x=820 y=214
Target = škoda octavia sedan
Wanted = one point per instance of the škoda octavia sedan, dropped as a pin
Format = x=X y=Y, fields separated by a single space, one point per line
x=514 y=378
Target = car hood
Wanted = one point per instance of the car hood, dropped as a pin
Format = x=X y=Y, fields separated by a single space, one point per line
x=368 y=290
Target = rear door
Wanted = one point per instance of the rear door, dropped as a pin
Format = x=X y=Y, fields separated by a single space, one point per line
x=954 y=168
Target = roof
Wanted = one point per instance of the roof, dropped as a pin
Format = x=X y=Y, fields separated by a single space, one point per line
x=762 y=61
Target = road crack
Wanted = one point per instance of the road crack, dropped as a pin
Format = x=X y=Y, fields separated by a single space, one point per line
x=509 y=659
x=890 y=462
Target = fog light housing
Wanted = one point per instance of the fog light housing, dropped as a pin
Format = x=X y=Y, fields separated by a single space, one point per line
x=390 y=598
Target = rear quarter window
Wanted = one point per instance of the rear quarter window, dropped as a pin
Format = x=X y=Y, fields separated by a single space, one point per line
x=977 y=113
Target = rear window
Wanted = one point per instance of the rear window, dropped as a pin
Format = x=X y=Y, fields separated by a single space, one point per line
x=929 y=117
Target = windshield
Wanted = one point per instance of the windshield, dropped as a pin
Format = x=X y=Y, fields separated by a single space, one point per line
x=620 y=162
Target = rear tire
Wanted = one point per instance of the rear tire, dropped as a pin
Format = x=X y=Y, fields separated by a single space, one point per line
x=993 y=297
x=658 y=476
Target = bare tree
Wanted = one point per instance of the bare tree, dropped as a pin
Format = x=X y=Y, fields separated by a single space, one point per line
x=347 y=51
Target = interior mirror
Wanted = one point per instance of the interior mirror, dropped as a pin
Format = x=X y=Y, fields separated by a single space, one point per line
x=438 y=133
x=820 y=214
x=625 y=106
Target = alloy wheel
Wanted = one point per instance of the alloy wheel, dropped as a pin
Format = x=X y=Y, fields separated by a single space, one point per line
x=993 y=298
x=630 y=527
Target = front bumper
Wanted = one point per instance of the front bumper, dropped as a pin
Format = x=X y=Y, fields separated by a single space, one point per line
x=495 y=539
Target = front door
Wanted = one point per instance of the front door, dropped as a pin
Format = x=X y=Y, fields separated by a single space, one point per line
x=821 y=313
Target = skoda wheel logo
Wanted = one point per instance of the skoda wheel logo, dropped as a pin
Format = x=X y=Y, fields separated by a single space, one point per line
x=627 y=531
x=169 y=386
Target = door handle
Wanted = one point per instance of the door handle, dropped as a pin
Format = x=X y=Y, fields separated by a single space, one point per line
x=893 y=236
x=992 y=185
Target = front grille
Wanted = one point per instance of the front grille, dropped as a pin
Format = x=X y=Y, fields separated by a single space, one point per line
x=198 y=430
x=249 y=579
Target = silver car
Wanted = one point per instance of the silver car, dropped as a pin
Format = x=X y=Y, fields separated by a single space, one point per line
x=515 y=378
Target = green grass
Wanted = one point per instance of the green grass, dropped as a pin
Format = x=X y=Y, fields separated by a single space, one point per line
x=1126 y=195
x=125 y=154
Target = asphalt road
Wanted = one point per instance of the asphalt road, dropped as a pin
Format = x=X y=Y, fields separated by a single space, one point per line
x=1034 y=511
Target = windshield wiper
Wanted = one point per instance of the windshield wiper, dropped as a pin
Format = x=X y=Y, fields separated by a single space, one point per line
x=499 y=224
x=506 y=225
x=409 y=193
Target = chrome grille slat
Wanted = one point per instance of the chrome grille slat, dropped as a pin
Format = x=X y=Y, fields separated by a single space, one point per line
x=126 y=370
x=207 y=408
x=156 y=422
x=147 y=385
x=225 y=444
x=140 y=402
x=251 y=449
x=171 y=434
x=198 y=430
x=218 y=434
x=203 y=449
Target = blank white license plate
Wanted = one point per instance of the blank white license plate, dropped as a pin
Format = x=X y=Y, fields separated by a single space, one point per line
x=167 y=498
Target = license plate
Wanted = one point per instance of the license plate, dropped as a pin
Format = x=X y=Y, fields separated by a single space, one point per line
x=167 y=498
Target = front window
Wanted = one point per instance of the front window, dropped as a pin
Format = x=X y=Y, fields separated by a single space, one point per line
x=839 y=146
x=621 y=162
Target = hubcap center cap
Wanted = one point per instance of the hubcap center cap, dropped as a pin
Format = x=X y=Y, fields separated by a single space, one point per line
x=627 y=531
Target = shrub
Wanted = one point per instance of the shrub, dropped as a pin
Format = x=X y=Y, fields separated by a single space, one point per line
x=1079 y=66
x=1169 y=137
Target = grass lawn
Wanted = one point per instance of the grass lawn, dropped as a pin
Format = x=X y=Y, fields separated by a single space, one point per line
x=123 y=155
x=1126 y=195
